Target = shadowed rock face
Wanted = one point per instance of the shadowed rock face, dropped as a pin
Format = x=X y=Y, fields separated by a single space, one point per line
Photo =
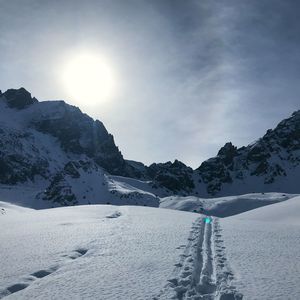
x=18 y=98
x=80 y=134
x=17 y=164
x=21 y=159
x=175 y=176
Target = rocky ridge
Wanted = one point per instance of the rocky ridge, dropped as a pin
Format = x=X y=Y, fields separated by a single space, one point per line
x=57 y=148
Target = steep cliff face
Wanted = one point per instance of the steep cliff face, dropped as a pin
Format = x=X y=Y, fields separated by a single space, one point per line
x=80 y=134
x=76 y=132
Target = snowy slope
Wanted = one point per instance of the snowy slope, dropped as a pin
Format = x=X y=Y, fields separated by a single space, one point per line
x=263 y=249
x=93 y=187
x=109 y=252
x=223 y=206
x=89 y=252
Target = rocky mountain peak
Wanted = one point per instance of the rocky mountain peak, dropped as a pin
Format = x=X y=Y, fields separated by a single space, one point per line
x=80 y=134
x=285 y=135
x=228 y=152
x=18 y=98
x=174 y=176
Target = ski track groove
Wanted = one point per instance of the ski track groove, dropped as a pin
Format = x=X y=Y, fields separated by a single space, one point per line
x=26 y=281
x=203 y=271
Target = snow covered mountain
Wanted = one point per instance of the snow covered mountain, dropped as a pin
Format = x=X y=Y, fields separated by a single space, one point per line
x=272 y=163
x=57 y=155
x=52 y=154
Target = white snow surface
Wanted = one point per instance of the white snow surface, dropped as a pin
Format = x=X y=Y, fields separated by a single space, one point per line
x=263 y=247
x=89 y=252
x=131 y=252
x=223 y=206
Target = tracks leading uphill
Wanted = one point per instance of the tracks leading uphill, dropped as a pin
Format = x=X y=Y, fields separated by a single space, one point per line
x=203 y=271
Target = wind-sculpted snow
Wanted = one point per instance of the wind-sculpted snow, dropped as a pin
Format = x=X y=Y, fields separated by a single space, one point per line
x=223 y=206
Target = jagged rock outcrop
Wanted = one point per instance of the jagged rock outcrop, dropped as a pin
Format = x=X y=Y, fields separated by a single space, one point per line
x=18 y=98
x=176 y=176
x=267 y=160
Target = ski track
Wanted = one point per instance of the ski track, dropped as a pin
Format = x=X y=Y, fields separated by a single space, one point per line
x=203 y=271
x=26 y=281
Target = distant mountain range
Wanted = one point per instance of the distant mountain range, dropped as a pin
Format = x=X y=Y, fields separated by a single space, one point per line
x=52 y=154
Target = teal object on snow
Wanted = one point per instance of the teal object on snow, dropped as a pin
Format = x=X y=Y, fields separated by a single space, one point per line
x=207 y=220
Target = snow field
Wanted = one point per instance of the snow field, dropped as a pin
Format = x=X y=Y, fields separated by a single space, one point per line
x=128 y=252
x=89 y=252
x=263 y=250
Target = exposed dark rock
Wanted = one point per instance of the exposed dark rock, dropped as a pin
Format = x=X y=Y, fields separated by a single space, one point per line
x=16 y=163
x=59 y=191
x=175 y=176
x=18 y=98
x=71 y=170
x=265 y=158
x=80 y=134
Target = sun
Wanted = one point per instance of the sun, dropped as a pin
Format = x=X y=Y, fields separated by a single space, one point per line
x=88 y=79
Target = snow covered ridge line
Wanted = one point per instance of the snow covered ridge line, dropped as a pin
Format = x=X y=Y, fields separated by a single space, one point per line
x=223 y=207
x=203 y=271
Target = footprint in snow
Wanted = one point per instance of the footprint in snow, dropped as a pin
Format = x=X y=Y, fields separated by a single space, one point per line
x=38 y=275
x=114 y=215
x=14 y=288
x=76 y=253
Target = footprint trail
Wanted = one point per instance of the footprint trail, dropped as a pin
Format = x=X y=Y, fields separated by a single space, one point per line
x=203 y=271
x=26 y=281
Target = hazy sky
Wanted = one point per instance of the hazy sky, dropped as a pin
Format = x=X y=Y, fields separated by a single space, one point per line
x=190 y=75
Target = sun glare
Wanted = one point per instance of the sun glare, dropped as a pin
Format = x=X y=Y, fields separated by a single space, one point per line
x=89 y=79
